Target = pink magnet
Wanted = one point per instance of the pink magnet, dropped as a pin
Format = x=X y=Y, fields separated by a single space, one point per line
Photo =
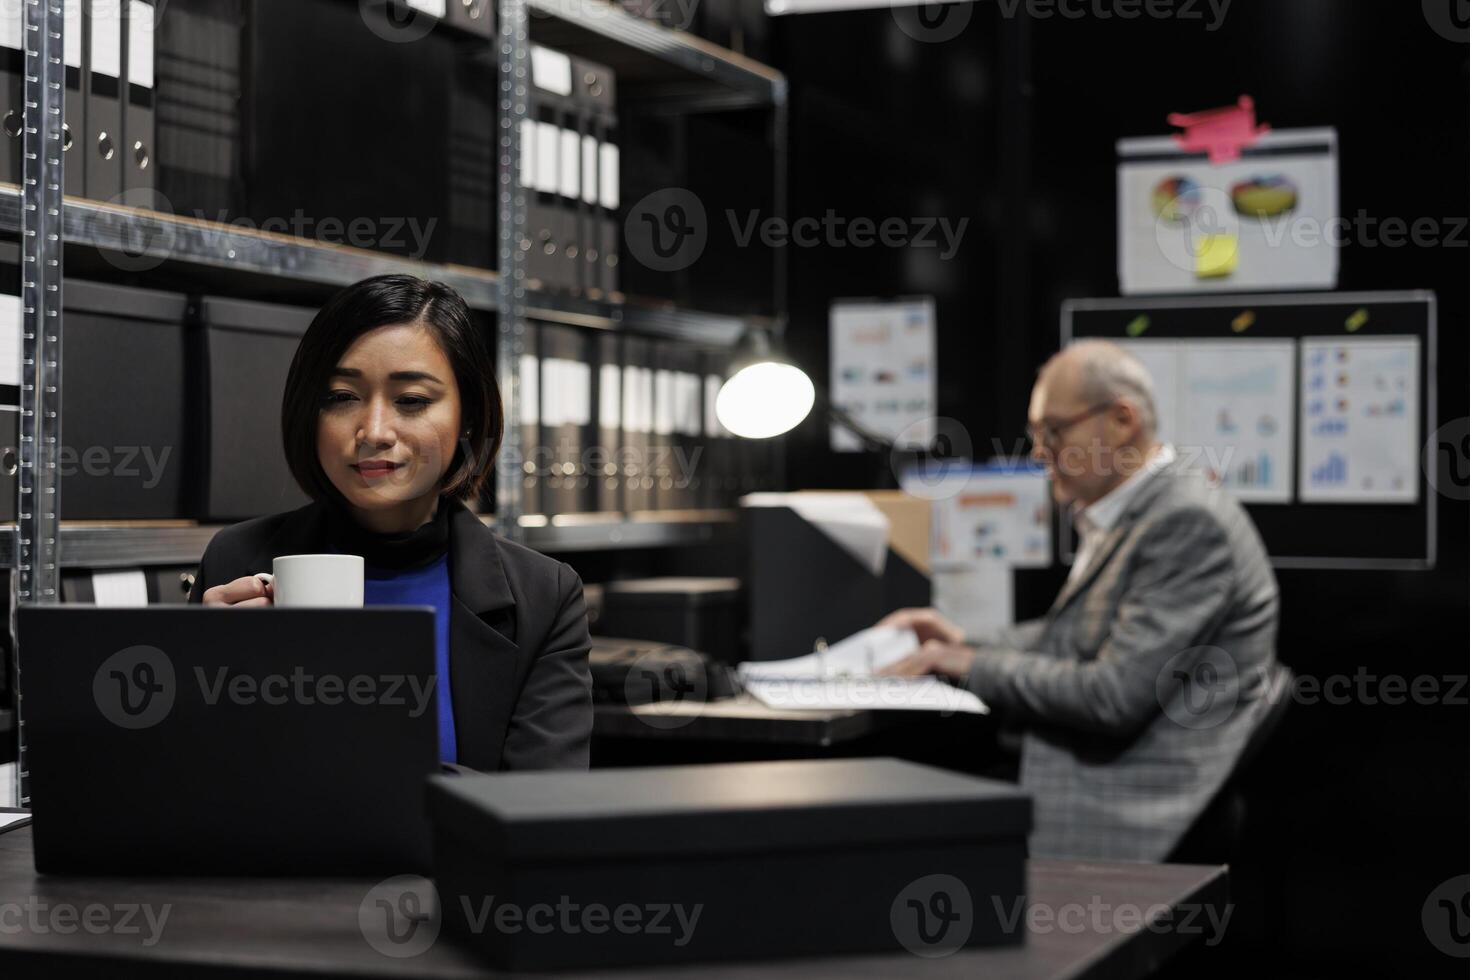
x=1222 y=133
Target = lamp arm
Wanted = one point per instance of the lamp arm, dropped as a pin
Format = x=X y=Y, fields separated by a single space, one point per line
x=838 y=415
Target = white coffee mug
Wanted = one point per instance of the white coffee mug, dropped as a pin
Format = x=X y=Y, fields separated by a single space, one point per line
x=316 y=581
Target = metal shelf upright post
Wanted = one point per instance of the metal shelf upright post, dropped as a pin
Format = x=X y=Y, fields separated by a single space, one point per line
x=34 y=576
x=510 y=319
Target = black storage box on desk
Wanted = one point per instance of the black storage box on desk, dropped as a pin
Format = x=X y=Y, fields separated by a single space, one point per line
x=703 y=614
x=745 y=860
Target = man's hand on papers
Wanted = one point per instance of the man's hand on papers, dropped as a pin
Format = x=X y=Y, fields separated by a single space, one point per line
x=928 y=624
x=934 y=657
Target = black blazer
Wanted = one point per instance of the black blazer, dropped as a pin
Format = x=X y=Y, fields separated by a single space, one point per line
x=518 y=641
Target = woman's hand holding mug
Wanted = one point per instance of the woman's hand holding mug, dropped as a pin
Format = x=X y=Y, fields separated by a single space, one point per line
x=243 y=592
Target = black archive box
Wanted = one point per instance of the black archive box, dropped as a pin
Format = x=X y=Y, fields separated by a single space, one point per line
x=745 y=860
x=247 y=352
x=124 y=404
x=704 y=614
x=124 y=442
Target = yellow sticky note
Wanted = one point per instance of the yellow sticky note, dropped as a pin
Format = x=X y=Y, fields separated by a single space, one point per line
x=1217 y=256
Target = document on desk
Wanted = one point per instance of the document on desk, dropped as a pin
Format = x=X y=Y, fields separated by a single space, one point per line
x=844 y=676
x=11 y=819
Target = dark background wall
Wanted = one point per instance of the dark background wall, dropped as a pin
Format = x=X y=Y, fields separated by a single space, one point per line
x=1361 y=809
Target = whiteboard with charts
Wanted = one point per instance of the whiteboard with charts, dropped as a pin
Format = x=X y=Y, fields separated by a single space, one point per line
x=1314 y=410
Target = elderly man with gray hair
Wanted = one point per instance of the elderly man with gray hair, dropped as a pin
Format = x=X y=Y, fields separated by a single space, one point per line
x=1141 y=686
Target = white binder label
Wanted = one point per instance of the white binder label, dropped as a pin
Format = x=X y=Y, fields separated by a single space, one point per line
x=663 y=403
x=434 y=8
x=608 y=176
x=609 y=398
x=637 y=399
x=712 y=385
x=577 y=377
x=547 y=139
x=530 y=394
x=570 y=161
x=73 y=28
x=12 y=317
x=589 y=169
x=568 y=393
x=12 y=25
x=123 y=589
x=551 y=70
x=140 y=43
x=528 y=153
x=106 y=37
x=687 y=418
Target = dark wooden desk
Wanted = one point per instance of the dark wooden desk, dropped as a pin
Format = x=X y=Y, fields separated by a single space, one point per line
x=738 y=719
x=301 y=927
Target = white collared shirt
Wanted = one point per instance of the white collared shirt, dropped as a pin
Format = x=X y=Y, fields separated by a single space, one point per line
x=1096 y=519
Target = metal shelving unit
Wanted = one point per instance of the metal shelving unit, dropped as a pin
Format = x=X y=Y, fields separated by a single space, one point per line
x=35 y=574
x=677 y=71
x=133 y=543
x=183 y=241
x=654 y=529
x=671 y=67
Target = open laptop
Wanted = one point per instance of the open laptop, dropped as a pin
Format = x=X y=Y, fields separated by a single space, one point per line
x=186 y=740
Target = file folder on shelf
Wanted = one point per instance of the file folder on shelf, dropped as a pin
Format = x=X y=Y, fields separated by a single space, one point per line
x=74 y=103
x=102 y=77
x=678 y=421
x=719 y=482
x=550 y=221
x=139 y=142
x=533 y=466
x=566 y=417
x=472 y=134
x=11 y=323
x=12 y=90
x=638 y=418
x=607 y=496
x=595 y=89
x=199 y=93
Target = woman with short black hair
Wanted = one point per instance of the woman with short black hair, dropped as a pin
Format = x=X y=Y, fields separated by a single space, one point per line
x=392 y=417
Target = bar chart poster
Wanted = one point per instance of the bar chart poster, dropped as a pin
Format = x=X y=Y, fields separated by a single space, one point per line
x=883 y=370
x=1360 y=420
x=1236 y=402
x=1160 y=358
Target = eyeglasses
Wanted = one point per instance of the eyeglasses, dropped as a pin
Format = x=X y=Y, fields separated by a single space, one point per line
x=1050 y=432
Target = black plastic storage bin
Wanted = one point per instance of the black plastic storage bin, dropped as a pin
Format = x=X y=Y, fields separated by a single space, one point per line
x=247 y=351
x=774 y=859
x=704 y=614
x=125 y=417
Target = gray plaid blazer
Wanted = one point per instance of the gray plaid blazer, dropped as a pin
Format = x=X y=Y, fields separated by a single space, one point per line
x=1141 y=686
